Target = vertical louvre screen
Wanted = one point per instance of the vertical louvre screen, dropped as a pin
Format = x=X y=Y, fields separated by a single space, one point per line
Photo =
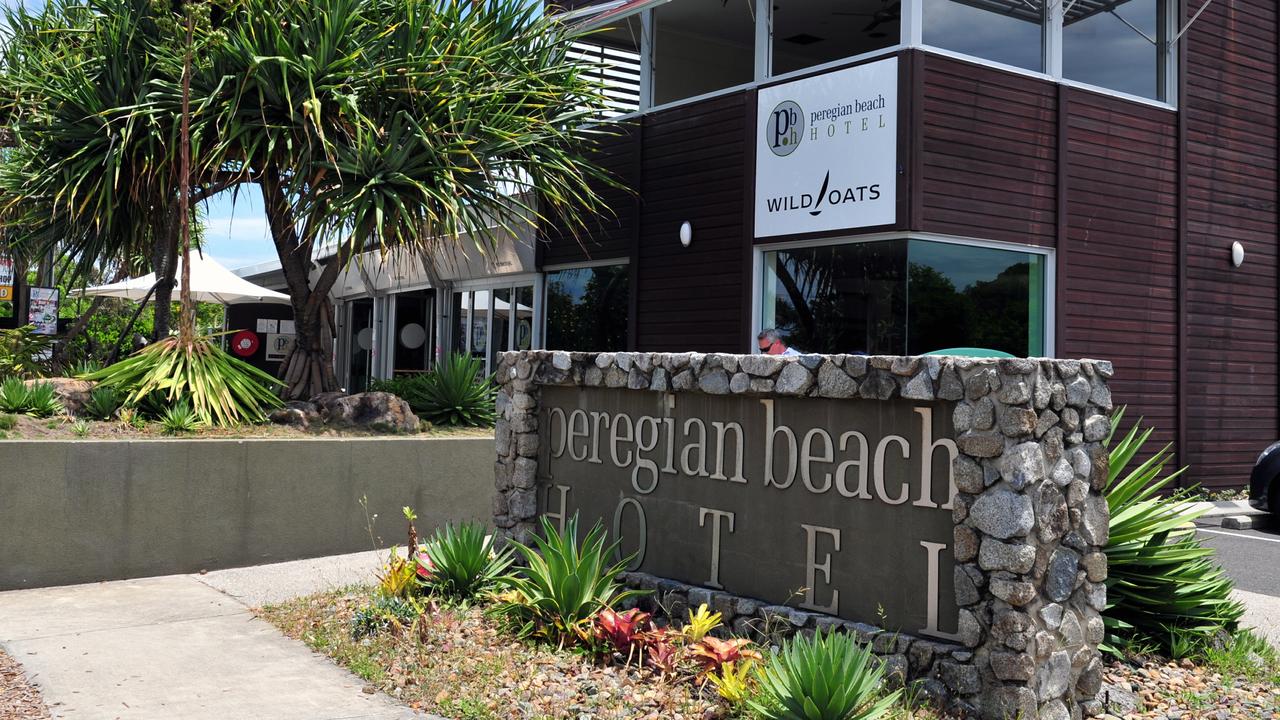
x=618 y=69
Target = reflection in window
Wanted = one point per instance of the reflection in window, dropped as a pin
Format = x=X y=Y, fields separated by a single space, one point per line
x=1117 y=46
x=701 y=46
x=812 y=32
x=839 y=298
x=587 y=308
x=1003 y=31
x=898 y=296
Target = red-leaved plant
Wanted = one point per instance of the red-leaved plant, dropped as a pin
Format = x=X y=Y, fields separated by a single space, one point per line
x=712 y=652
x=622 y=630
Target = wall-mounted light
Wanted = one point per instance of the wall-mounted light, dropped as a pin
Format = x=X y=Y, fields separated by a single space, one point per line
x=686 y=233
x=1237 y=253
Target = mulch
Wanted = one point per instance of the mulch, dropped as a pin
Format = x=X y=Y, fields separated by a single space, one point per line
x=19 y=699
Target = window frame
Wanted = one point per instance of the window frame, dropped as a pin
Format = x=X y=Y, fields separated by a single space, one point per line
x=911 y=37
x=1049 y=302
x=624 y=261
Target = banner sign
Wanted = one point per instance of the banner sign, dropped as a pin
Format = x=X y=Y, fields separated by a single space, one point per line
x=43 y=310
x=827 y=151
x=6 y=279
x=839 y=507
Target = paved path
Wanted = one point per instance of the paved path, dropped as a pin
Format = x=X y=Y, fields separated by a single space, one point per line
x=184 y=646
x=1252 y=559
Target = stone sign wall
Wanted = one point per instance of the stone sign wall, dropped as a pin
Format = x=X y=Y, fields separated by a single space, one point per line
x=945 y=510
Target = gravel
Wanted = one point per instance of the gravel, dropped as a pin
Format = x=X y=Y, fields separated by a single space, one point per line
x=19 y=699
x=1186 y=691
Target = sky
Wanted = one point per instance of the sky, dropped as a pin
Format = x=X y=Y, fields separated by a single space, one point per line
x=236 y=232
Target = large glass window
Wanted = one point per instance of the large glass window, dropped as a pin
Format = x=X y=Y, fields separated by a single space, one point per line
x=1117 y=45
x=701 y=46
x=893 y=297
x=587 y=308
x=812 y=32
x=1004 y=31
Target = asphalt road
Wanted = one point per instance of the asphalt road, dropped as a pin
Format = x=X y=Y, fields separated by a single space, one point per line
x=1250 y=557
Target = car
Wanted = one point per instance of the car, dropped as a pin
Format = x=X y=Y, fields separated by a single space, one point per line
x=1264 y=482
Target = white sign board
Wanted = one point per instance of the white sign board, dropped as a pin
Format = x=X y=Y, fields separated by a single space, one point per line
x=827 y=151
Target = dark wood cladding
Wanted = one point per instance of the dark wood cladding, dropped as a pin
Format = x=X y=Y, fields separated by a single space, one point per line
x=988 y=165
x=1120 y=250
x=1231 y=166
x=608 y=236
x=693 y=164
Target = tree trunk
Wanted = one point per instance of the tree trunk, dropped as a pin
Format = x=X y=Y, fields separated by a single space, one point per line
x=164 y=261
x=307 y=370
x=82 y=323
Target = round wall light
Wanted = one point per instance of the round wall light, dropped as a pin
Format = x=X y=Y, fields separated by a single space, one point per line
x=686 y=233
x=1237 y=253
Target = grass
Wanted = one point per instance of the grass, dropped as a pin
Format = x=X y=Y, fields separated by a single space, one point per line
x=1247 y=656
x=8 y=422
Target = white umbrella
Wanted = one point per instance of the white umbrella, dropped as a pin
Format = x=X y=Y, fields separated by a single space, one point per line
x=210 y=282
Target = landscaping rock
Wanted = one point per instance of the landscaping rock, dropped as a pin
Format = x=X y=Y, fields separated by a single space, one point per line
x=296 y=413
x=73 y=393
x=378 y=411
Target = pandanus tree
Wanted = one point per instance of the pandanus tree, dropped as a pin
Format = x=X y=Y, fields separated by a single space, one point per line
x=386 y=125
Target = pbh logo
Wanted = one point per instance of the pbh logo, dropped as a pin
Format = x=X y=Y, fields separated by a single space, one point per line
x=786 y=128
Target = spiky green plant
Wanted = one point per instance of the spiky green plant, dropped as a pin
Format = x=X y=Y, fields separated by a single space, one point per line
x=80 y=428
x=179 y=418
x=43 y=401
x=461 y=562
x=1161 y=582
x=221 y=389
x=23 y=353
x=456 y=392
x=564 y=583
x=14 y=395
x=103 y=403
x=826 y=677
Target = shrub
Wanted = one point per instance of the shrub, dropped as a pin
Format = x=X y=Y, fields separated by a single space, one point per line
x=564 y=585
x=80 y=428
x=102 y=404
x=43 y=401
x=178 y=419
x=461 y=562
x=1161 y=582
x=13 y=395
x=23 y=353
x=220 y=389
x=826 y=677
x=383 y=614
x=8 y=422
x=455 y=393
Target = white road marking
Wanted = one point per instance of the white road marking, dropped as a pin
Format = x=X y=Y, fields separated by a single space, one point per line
x=1238 y=535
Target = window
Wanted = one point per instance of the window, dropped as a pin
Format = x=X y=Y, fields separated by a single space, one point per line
x=1004 y=31
x=812 y=32
x=891 y=297
x=701 y=46
x=1117 y=45
x=493 y=320
x=587 y=308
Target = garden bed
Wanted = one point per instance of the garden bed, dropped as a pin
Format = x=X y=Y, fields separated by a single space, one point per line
x=19 y=699
x=25 y=427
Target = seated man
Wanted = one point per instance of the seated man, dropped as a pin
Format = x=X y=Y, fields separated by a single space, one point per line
x=770 y=343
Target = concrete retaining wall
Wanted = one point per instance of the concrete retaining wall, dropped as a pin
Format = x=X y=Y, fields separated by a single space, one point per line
x=84 y=511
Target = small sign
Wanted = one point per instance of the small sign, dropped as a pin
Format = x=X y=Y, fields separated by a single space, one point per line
x=286 y=327
x=268 y=326
x=827 y=151
x=244 y=343
x=6 y=279
x=278 y=347
x=43 y=310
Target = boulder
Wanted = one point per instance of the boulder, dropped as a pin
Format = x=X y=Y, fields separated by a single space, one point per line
x=296 y=413
x=378 y=411
x=72 y=392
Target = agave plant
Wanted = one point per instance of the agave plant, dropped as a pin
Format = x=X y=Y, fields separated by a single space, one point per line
x=564 y=584
x=221 y=389
x=461 y=562
x=103 y=403
x=1161 y=581
x=13 y=395
x=179 y=418
x=455 y=393
x=826 y=677
x=43 y=401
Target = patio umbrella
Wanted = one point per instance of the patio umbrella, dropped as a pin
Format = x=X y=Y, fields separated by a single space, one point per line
x=210 y=282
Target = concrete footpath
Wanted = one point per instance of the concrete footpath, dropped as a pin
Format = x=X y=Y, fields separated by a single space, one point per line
x=186 y=646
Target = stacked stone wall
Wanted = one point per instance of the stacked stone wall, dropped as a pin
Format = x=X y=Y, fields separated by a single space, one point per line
x=1030 y=522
